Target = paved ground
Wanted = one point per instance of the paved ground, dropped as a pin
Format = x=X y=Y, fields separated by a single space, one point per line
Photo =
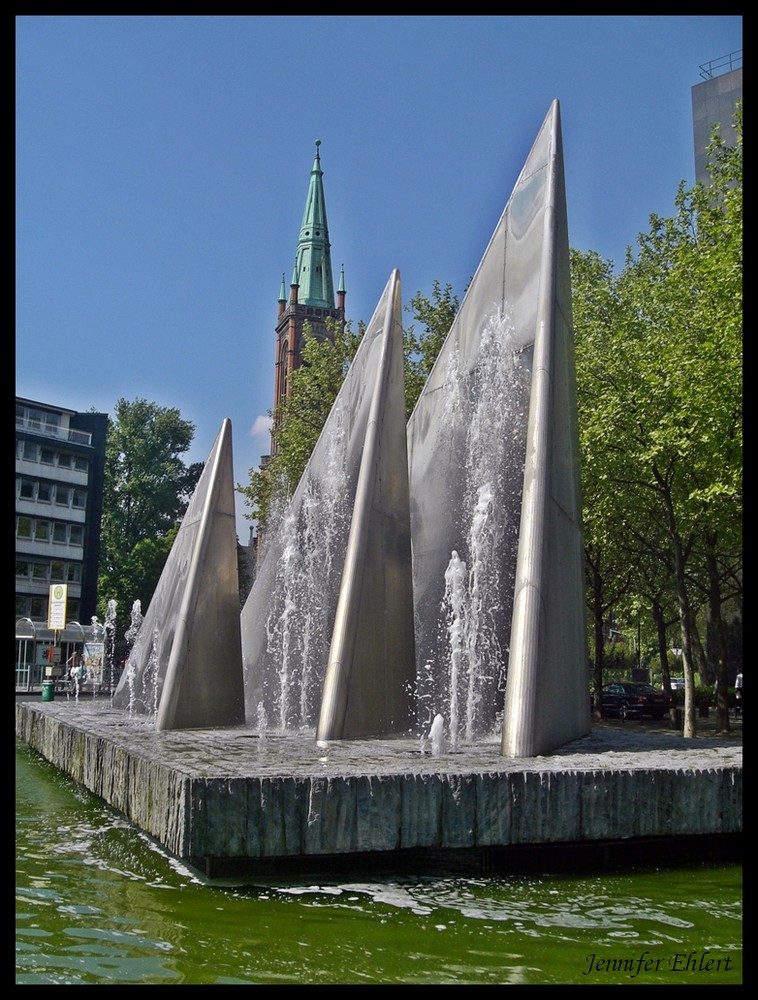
x=633 y=728
x=705 y=727
x=610 y=743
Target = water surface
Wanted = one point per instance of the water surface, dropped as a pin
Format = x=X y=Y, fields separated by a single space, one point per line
x=97 y=902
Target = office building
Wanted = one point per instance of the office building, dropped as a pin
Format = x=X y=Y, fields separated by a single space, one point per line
x=60 y=465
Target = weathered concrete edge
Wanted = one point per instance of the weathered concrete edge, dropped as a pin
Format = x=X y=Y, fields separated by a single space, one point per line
x=197 y=818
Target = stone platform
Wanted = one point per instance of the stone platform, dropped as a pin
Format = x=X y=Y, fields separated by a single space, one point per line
x=230 y=802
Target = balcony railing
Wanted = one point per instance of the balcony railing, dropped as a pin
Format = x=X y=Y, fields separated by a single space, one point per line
x=724 y=64
x=54 y=431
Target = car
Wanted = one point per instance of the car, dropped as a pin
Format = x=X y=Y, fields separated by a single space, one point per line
x=677 y=683
x=634 y=699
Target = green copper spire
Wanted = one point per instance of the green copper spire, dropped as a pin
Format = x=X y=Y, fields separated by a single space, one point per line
x=313 y=264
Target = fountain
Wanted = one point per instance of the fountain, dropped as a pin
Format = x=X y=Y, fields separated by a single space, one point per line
x=493 y=482
x=408 y=678
x=422 y=571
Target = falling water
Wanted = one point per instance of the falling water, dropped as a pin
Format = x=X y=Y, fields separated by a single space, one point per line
x=96 y=670
x=136 y=624
x=109 y=635
x=144 y=688
x=464 y=667
x=152 y=678
x=457 y=629
x=468 y=663
x=78 y=674
x=437 y=736
x=311 y=537
x=262 y=720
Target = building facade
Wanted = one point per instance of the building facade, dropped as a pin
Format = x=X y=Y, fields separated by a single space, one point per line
x=713 y=103
x=60 y=466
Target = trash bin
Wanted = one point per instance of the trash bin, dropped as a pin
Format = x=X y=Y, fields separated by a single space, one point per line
x=48 y=690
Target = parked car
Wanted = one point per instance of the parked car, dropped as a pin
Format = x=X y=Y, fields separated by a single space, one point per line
x=630 y=699
x=677 y=683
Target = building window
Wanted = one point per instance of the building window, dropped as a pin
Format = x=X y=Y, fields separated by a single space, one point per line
x=62 y=496
x=39 y=571
x=47 y=456
x=23 y=610
x=42 y=531
x=80 y=498
x=38 y=608
x=22 y=568
x=59 y=533
x=74 y=572
x=44 y=492
x=65 y=460
x=81 y=464
x=30 y=451
x=26 y=492
x=76 y=536
x=24 y=527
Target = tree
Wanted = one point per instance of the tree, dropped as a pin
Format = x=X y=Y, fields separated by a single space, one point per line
x=684 y=296
x=301 y=416
x=420 y=351
x=146 y=492
x=659 y=366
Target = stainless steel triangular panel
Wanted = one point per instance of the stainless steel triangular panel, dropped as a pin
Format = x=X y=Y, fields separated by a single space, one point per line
x=494 y=482
x=335 y=570
x=368 y=688
x=186 y=664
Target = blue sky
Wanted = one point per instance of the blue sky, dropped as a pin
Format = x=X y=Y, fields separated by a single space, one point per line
x=162 y=164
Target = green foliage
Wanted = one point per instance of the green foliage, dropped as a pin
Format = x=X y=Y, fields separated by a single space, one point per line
x=659 y=383
x=619 y=661
x=705 y=696
x=146 y=491
x=300 y=418
x=420 y=350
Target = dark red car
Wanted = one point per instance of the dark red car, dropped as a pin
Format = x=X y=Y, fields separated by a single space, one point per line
x=633 y=699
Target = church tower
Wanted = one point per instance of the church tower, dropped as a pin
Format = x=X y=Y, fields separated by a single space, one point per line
x=311 y=292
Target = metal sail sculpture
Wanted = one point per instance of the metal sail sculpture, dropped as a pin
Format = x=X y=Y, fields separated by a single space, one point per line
x=463 y=527
x=495 y=489
x=327 y=629
x=186 y=664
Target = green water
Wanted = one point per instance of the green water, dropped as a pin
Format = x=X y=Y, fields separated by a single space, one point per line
x=98 y=903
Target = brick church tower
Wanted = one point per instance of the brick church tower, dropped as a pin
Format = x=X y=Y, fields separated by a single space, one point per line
x=311 y=294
